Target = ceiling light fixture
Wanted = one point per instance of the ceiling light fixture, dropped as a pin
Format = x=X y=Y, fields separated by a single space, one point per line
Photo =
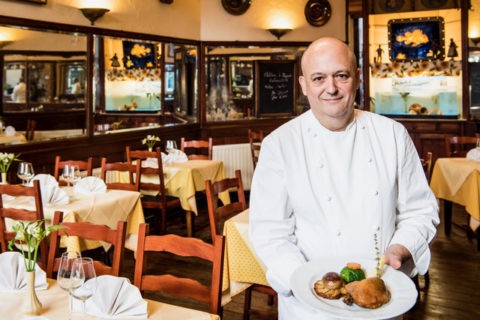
x=93 y=14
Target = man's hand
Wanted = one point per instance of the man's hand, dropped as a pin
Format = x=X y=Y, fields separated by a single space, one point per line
x=396 y=254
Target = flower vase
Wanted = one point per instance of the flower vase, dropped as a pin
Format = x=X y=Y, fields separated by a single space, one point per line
x=4 y=178
x=31 y=305
x=150 y=149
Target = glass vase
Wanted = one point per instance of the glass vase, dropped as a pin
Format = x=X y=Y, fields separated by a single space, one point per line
x=4 y=178
x=31 y=305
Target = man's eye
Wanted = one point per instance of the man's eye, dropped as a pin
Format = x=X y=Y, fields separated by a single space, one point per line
x=318 y=78
x=342 y=76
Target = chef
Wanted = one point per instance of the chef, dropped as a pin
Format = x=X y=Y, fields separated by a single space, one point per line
x=338 y=182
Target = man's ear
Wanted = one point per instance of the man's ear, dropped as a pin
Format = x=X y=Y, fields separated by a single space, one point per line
x=303 y=84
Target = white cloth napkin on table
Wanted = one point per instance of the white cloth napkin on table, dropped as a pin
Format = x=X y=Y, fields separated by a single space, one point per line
x=51 y=192
x=10 y=131
x=13 y=273
x=174 y=156
x=474 y=154
x=90 y=185
x=115 y=298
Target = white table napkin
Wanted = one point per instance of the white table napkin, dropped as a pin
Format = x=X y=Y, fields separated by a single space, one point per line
x=115 y=298
x=13 y=273
x=174 y=156
x=90 y=185
x=51 y=192
x=474 y=154
x=10 y=131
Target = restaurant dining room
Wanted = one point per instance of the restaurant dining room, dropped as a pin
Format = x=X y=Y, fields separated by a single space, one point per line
x=143 y=151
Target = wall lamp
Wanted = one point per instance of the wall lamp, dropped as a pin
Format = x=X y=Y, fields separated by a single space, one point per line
x=93 y=14
x=475 y=40
x=279 y=32
x=3 y=43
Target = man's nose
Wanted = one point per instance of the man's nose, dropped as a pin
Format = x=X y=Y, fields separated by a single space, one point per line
x=331 y=86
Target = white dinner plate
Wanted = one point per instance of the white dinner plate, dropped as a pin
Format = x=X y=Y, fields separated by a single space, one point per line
x=402 y=289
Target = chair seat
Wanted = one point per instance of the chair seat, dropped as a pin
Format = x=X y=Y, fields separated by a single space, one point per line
x=171 y=201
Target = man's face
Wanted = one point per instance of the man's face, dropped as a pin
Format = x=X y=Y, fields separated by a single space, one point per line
x=330 y=81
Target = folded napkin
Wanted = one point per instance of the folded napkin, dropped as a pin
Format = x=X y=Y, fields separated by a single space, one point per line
x=151 y=162
x=90 y=185
x=13 y=275
x=174 y=156
x=51 y=192
x=474 y=154
x=115 y=298
x=10 y=131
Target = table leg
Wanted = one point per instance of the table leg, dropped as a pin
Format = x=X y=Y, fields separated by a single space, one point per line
x=478 y=238
x=447 y=214
x=189 y=218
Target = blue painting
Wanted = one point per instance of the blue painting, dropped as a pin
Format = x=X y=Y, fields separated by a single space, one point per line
x=416 y=39
x=138 y=54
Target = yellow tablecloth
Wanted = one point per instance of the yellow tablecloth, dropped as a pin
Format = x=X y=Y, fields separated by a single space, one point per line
x=458 y=180
x=99 y=208
x=55 y=307
x=16 y=138
x=241 y=266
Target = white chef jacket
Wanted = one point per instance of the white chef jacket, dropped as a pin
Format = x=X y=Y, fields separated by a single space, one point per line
x=317 y=194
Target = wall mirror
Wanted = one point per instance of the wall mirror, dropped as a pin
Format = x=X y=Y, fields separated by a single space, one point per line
x=232 y=80
x=144 y=83
x=43 y=80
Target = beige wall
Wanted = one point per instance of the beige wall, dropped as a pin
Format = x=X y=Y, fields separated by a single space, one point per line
x=189 y=19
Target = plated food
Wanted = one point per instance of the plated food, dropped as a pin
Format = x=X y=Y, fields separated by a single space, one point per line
x=403 y=294
x=352 y=286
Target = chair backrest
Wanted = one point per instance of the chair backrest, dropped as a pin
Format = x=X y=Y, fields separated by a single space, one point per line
x=197 y=149
x=143 y=155
x=30 y=130
x=16 y=190
x=255 y=138
x=121 y=170
x=458 y=146
x=82 y=165
x=88 y=231
x=218 y=214
x=181 y=286
x=427 y=165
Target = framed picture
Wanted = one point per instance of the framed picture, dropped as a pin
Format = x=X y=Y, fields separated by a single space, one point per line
x=416 y=39
x=139 y=54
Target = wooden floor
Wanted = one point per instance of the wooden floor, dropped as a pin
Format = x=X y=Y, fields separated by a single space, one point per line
x=454 y=291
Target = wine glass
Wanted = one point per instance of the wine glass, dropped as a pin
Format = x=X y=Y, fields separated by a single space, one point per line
x=64 y=272
x=25 y=172
x=71 y=174
x=170 y=145
x=83 y=273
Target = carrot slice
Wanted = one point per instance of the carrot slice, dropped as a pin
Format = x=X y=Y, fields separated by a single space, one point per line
x=354 y=265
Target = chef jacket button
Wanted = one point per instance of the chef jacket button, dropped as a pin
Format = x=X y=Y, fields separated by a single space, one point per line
x=363 y=127
x=370 y=159
x=315 y=135
x=322 y=165
x=376 y=193
x=329 y=198
x=339 y=233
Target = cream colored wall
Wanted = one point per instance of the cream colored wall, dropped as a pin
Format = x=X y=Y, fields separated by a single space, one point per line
x=189 y=19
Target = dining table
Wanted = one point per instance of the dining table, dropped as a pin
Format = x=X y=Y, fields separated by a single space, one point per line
x=17 y=137
x=242 y=267
x=457 y=180
x=55 y=306
x=104 y=208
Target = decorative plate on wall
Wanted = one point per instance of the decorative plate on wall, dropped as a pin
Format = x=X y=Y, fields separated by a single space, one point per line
x=318 y=12
x=434 y=4
x=392 y=6
x=236 y=7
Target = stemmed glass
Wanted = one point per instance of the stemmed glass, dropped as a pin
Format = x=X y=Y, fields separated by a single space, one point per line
x=71 y=174
x=64 y=279
x=83 y=272
x=170 y=145
x=25 y=172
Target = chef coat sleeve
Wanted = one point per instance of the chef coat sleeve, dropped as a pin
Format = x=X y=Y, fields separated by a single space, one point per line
x=271 y=221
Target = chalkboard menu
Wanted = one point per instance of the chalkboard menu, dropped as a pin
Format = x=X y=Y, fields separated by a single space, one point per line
x=475 y=84
x=275 y=87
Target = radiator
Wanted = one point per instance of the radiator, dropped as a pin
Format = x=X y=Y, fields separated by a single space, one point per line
x=234 y=157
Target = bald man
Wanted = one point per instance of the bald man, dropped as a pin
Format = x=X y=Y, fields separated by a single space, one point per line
x=338 y=182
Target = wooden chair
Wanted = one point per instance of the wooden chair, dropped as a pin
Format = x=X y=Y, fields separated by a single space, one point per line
x=123 y=169
x=458 y=146
x=427 y=165
x=202 y=148
x=21 y=214
x=177 y=286
x=161 y=201
x=255 y=138
x=82 y=165
x=88 y=231
x=217 y=216
x=30 y=129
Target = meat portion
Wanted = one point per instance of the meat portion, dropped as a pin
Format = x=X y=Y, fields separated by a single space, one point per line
x=331 y=286
x=368 y=293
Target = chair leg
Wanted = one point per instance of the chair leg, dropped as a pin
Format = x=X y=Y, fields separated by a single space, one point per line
x=447 y=212
x=247 y=304
x=190 y=217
